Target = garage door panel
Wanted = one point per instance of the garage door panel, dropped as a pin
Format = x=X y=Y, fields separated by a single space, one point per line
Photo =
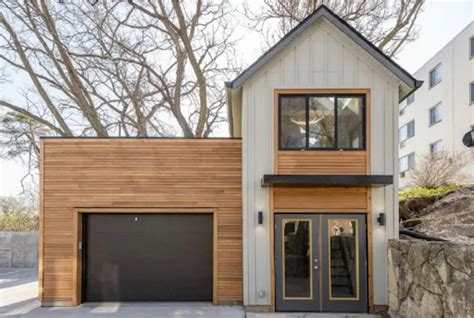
x=148 y=257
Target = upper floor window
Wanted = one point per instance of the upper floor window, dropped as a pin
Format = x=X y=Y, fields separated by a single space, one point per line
x=406 y=162
x=471 y=47
x=321 y=122
x=435 y=75
x=435 y=114
x=471 y=92
x=407 y=131
x=436 y=147
x=407 y=101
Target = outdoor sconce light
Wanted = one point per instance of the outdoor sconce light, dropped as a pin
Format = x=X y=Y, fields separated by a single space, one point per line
x=381 y=219
x=260 y=217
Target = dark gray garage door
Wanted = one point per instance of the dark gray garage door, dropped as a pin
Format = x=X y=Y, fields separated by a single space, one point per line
x=148 y=257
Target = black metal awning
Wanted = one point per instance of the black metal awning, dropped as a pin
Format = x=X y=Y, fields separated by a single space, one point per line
x=326 y=180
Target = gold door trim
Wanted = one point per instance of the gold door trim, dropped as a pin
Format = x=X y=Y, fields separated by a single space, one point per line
x=283 y=276
x=357 y=298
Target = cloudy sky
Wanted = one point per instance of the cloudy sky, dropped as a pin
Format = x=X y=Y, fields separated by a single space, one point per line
x=439 y=23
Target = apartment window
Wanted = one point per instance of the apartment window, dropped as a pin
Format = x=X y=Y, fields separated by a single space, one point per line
x=407 y=162
x=407 y=131
x=436 y=147
x=471 y=47
x=321 y=122
x=407 y=101
x=435 y=114
x=435 y=75
x=471 y=92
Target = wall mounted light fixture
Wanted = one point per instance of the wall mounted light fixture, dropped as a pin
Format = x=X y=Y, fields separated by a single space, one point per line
x=260 y=217
x=381 y=219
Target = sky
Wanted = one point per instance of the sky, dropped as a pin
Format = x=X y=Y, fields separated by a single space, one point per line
x=440 y=21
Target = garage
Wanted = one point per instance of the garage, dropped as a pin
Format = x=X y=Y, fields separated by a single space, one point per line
x=147 y=257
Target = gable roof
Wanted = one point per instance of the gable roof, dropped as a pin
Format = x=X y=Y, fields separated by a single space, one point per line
x=343 y=26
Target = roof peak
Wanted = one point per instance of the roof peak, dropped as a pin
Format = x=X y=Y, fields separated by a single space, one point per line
x=322 y=11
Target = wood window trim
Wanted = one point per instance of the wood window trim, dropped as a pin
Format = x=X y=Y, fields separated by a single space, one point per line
x=367 y=211
x=307 y=96
x=77 y=272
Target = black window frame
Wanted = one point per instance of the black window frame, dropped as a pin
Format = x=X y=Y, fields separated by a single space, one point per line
x=363 y=98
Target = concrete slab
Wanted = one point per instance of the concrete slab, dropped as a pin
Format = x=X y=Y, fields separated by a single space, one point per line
x=310 y=315
x=18 y=291
x=142 y=310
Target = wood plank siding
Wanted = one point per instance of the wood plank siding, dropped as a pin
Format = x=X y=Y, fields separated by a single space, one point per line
x=321 y=162
x=135 y=175
x=323 y=199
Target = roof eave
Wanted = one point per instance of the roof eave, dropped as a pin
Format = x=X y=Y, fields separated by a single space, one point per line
x=344 y=27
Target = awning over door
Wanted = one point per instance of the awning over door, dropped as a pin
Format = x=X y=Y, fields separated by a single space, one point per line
x=326 y=180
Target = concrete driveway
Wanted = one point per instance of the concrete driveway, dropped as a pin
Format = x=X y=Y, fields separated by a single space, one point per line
x=19 y=292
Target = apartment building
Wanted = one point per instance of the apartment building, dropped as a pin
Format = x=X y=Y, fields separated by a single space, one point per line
x=441 y=112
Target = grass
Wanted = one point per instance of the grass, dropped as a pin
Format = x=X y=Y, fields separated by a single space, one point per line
x=417 y=192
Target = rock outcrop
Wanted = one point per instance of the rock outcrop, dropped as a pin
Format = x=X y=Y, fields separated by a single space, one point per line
x=449 y=216
x=431 y=279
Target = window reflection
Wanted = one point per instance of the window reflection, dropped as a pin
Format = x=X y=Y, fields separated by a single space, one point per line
x=297 y=259
x=321 y=122
x=349 y=123
x=343 y=258
x=293 y=122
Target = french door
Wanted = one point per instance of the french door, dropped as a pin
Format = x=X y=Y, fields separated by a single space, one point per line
x=320 y=262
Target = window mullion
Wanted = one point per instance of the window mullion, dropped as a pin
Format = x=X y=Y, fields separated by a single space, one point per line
x=307 y=121
x=335 y=123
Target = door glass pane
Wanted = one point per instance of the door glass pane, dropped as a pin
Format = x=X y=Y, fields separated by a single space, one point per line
x=350 y=123
x=321 y=122
x=297 y=259
x=293 y=122
x=343 y=257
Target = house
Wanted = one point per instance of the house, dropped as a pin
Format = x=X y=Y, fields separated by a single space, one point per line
x=293 y=214
x=438 y=115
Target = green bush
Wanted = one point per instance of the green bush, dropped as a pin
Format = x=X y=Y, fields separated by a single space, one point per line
x=18 y=214
x=417 y=192
x=19 y=222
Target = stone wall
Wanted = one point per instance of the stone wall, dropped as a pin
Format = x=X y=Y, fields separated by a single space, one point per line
x=430 y=279
x=18 y=249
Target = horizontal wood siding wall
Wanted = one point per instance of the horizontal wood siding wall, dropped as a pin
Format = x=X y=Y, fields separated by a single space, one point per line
x=139 y=173
x=321 y=162
x=326 y=199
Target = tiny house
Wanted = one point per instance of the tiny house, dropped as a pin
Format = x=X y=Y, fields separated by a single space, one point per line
x=292 y=214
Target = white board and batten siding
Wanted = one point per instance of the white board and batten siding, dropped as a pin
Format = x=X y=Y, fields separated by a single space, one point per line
x=321 y=58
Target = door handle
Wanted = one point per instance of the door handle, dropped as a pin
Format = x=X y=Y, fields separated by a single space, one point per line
x=316 y=267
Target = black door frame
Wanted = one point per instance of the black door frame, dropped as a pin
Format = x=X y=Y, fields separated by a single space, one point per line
x=327 y=304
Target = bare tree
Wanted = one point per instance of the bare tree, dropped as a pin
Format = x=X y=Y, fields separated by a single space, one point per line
x=113 y=68
x=442 y=168
x=389 y=24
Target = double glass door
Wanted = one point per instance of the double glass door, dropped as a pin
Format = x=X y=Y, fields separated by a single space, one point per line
x=320 y=262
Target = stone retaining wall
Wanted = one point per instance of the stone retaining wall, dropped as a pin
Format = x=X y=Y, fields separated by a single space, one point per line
x=430 y=279
x=18 y=249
